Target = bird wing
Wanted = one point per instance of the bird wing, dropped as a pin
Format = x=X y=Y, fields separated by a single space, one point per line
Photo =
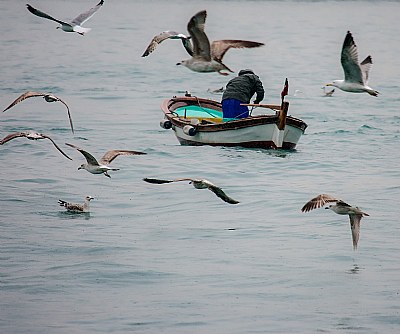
x=37 y=12
x=156 y=181
x=69 y=113
x=161 y=181
x=12 y=136
x=111 y=155
x=168 y=35
x=365 y=67
x=201 y=44
x=56 y=146
x=355 y=223
x=317 y=202
x=82 y=18
x=221 y=194
x=23 y=97
x=349 y=60
x=89 y=158
x=219 y=48
x=74 y=207
x=342 y=204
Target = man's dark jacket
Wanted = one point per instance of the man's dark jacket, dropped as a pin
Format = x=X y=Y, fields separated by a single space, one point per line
x=243 y=87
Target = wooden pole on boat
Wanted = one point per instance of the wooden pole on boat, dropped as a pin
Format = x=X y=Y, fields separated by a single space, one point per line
x=270 y=106
x=282 y=115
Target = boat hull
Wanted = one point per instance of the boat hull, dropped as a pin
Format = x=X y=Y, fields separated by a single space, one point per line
x=262 y=131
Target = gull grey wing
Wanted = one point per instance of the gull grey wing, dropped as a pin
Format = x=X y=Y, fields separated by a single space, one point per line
x=37 y=12
x=23 y=97
x=111 y=155
x=12 y=136
x=156 y=181
x=69 y=114
x=219 y=48
x=317 y=202
x=342 y=204
x=365 y=67
x=355 y=222
x=56 y=146
x=89 y=158
x=168 y=35
x=201 y=44
x=349 y=60
x=221 y=194
x=82 y=18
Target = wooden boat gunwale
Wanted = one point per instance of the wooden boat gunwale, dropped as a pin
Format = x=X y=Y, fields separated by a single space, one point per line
x=169 y=105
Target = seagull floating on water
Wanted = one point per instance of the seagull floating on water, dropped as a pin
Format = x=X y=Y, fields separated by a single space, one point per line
x=206 y=57
x=76 y=24
x=101 y=167
x=77 y=208
x=47 y=97
x=355 y=74
x=198 y=184
x=341 y=208
x=32 y=136
x=216 y=91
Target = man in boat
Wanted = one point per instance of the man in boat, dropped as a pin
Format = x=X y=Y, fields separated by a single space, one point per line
x=239 y=90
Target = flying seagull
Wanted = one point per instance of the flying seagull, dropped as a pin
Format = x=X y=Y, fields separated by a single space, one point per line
x=198 y=184
x=47 y=97
x=77 y=208
x=76 y=24
x=355 y=74
x=341 y=208
x=101 y=167
x=206 y=57
x=32 y=136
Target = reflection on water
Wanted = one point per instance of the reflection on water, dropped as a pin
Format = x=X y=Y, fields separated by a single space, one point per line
x=355 y=269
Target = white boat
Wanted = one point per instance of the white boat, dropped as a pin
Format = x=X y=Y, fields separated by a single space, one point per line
x=198 y=121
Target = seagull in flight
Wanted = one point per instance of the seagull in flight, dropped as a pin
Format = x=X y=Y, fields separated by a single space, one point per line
x=355 y=74
x=31 y=135
x=205 y=57
x=47 y=97
x=198 y=184
x=341 y=208
x=77 y=208
x=76 y=24
x=101 y=167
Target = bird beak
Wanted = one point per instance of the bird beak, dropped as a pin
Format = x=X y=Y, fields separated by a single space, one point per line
x=178 y=63
x=327 y=207
x=328 y=84
x=79 y=167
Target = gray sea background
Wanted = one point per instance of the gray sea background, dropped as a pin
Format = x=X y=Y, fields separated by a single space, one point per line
x=170 y=258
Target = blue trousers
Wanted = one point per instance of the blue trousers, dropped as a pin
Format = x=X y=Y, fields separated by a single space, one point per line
x=231 y=108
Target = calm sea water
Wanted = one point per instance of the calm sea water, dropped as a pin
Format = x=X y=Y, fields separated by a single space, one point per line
x=169 y=258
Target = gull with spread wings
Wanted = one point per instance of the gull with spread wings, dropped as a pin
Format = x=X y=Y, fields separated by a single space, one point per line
x=355 y=74
x=101 y=167
x=341 y=208
x=198 y=184
x=31 y=135
x=75 y=25
x=205 y=57
x=47 y=97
